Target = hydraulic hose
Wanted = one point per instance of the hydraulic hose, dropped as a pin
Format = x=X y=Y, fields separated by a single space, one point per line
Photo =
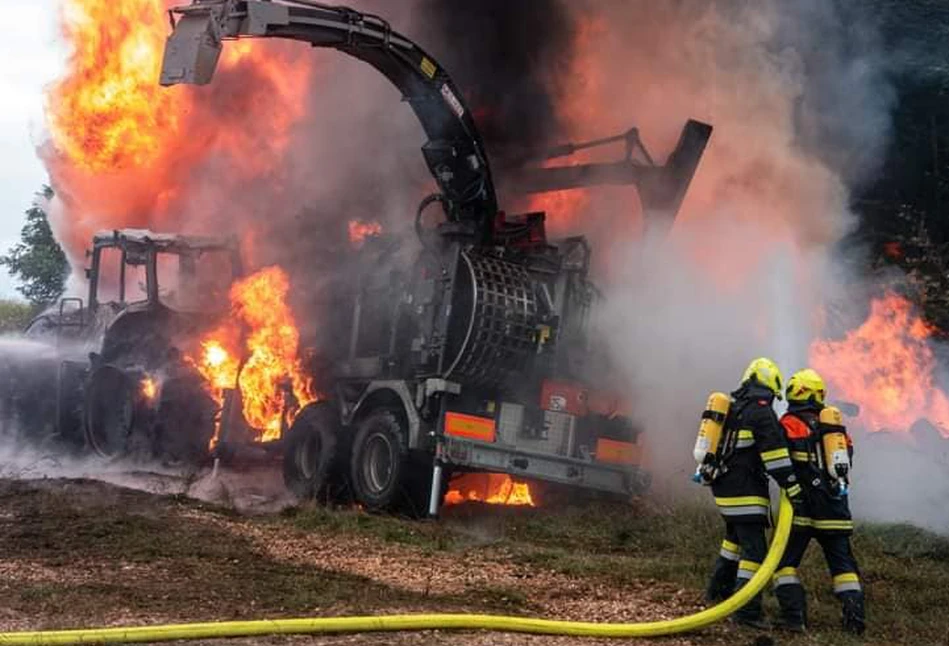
x=423 y=621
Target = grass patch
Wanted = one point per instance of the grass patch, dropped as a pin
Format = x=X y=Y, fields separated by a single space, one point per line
x=905 y=569
x=150 y=560
x=906 y=541
x=428 y=536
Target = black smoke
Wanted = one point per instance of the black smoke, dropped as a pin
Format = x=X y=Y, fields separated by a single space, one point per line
x=510 y=59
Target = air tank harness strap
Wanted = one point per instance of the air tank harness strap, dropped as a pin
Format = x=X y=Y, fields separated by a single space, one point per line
x=713 y=415
x=734 y=438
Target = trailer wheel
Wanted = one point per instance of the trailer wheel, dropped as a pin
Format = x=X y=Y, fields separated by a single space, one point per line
x=310 y=452
x=109 y=411
x=379 y=461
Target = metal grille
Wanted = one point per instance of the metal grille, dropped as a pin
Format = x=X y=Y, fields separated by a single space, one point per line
x=500 y=334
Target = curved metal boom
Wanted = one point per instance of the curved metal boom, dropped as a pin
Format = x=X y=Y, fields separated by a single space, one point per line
x=454 y=152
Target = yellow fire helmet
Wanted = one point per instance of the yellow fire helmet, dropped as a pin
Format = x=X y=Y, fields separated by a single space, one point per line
x=766 y=373
x=806 y=386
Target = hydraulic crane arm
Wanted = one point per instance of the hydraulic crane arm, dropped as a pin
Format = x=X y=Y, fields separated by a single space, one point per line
x=661 y=188
x=454 y=152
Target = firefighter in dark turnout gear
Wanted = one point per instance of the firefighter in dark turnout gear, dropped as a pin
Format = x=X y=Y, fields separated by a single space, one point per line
x=752 y=447
x=825 y=515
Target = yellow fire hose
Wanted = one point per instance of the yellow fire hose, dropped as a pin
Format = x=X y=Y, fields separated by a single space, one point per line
x=423 y=622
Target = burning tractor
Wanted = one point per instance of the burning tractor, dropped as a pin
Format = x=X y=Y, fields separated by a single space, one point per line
x=466 y=350
x=470 y=358
x=123 y=384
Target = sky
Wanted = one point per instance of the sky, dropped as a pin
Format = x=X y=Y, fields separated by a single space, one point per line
x=32 y=57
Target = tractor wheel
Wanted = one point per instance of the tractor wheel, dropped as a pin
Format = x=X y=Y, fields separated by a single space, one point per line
x=183 y=423
x=380 y=461
x=311 y=448
x=69 y=404
x=108 y=411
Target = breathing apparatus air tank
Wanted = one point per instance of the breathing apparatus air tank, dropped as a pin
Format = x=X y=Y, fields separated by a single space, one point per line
x=710 y=436
x=834 y=445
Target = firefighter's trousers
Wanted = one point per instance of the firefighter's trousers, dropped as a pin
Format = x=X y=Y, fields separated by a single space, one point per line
x=741 y=554
x=843 y=568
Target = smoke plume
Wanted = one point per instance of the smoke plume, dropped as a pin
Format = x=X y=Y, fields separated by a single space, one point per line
x=288 y=144
x=512 y=60
x=800 y=99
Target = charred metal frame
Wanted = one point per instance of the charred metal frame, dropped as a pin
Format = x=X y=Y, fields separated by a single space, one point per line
x=474 y=233
x=149 y=245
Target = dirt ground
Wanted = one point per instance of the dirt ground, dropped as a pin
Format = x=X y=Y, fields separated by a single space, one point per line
x=82 y=553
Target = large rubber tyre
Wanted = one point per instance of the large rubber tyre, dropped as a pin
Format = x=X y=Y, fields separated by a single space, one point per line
x=69 y=405
x=183 y=424
x=108 y=411
x=379 y=464
x=309 y=458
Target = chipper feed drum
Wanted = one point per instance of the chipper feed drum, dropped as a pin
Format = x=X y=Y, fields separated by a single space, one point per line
x=493 y=325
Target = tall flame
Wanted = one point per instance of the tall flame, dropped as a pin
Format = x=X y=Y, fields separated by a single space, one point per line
x=887 y=367
x=264 y=334
x=125 y=152
x=109 y=113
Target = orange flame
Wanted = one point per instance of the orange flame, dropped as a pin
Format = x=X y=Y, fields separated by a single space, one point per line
x=577 y=109
x=125 y=152
x=359 y=231
x=563 y=208
x=887 y=367
x=149 y=389
x=109 y=112
x=490 y=488
x=271 y=370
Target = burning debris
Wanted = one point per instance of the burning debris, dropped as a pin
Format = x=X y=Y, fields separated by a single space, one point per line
x=359 y=231
x=489 y=488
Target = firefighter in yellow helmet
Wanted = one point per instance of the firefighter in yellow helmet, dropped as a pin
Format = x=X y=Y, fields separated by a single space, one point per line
x=752 y=447
x=825 y=516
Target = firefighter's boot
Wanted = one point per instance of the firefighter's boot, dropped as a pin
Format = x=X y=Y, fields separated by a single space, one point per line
x=849 y=590
x=750 y=614
x=721 y=585
x=791 y=599
x=854 y=617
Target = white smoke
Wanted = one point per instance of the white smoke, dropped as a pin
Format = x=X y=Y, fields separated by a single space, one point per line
x=247 y=490
x=753 y=259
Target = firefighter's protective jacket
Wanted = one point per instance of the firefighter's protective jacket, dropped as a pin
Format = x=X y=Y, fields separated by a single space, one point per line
x=753 y=447
x=825 y=510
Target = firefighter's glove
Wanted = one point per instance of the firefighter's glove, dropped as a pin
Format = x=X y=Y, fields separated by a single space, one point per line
x=795 y=494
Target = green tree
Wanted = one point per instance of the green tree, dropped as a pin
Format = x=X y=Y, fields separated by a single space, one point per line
x=14 y=315
x=37 y=260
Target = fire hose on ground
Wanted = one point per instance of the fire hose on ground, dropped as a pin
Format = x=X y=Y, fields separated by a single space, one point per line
x=419 y=622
